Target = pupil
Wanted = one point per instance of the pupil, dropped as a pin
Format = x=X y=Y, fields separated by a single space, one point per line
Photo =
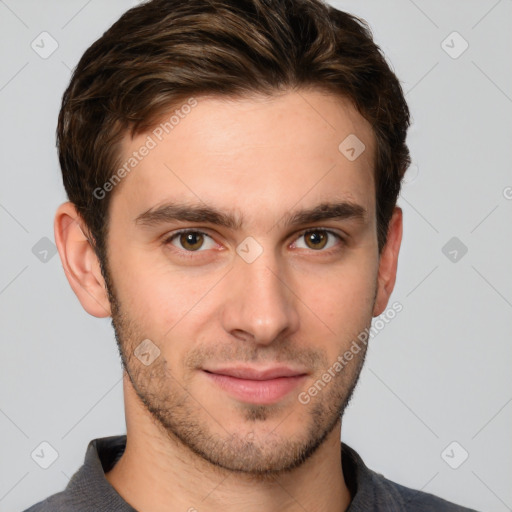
x=192 y=239
x=317 y=239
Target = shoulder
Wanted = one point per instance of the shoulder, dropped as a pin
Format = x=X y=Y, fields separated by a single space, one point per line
x=88 y=490
x=54 y=503
x=373 y=491
x=413 y=499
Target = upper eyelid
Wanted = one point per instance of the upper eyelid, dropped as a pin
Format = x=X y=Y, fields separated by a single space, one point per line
x=297 y=234
x=168 y=238
x=185 y=230
x=341 y=238
x=320 y=228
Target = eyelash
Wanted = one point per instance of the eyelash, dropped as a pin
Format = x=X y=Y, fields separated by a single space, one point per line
x=192 y=254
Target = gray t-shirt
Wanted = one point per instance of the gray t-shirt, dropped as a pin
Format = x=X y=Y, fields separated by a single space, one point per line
x=89 y=490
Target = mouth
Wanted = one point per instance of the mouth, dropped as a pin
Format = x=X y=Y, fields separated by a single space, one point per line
x=257 y=386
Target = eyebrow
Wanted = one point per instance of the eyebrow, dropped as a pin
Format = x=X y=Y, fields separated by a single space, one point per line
x=175 y=211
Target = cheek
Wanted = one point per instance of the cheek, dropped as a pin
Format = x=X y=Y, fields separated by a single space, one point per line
x=163 y=302
x=342 y=301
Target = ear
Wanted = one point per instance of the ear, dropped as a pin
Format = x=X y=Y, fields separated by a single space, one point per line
x=80 y=262
x=388 y=262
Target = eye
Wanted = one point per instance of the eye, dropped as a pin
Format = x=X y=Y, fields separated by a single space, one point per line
x=190 y=241
x=318 y=239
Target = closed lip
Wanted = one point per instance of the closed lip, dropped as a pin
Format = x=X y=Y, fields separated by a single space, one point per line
x=250 y=373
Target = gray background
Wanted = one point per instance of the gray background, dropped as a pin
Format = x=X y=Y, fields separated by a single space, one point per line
x=438 y=373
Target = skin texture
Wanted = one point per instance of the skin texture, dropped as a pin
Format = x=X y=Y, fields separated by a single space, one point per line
x=300 y=303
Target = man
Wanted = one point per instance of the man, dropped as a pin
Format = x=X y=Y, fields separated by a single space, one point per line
x=233 y=169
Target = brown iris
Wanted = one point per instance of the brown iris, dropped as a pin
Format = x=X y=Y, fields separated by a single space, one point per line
x=192 y=240
x=318 y=239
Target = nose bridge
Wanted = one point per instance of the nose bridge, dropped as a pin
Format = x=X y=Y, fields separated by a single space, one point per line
x=260 y=304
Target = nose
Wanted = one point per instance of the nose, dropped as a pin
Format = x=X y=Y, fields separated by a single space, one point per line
x=261 y=306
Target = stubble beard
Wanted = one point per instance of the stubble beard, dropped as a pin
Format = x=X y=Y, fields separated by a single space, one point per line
x=182 y=417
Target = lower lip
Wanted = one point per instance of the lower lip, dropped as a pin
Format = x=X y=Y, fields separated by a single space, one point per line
x=257 y=391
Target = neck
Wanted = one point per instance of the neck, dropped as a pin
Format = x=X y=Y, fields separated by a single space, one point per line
x=157 y=471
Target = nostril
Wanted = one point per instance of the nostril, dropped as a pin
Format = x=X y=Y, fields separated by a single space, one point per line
x=242 y=335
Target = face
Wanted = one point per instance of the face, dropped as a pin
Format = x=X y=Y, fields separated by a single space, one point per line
x=243 y=246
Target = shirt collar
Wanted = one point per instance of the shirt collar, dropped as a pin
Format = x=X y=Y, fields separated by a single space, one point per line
x=90 y=483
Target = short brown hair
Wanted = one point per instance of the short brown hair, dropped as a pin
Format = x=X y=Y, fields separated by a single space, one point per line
x=164 y=51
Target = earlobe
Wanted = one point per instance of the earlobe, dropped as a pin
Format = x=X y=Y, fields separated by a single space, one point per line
x=389 y=262
x=80 y=262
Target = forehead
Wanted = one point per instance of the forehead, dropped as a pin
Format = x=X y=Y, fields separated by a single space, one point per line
x=260 y=155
